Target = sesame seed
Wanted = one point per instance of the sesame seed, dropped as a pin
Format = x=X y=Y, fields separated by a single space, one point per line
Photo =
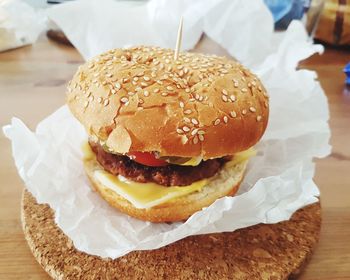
x=249 y=85
x=99 y=100
x=153 y=74
x=186 y=128
x=140 y=74
x=138 y=89
x=201 y=137
x=235 y=85
x=217 y=121
x=252 y=109
x=223 y=71
x=194 y=121
x=258 y=118
x=184 y=139
x=224 y=98
x=225 y=119
x=187 y=120
x=141 y=101
x=125 y=80
x=86 y=104
x=91 y=66
x=201 y=132
x=131 y=93
x=187 y=112
x=96 y=74
x=164 y=94
x=106 y=102
x=180 y=67
x=233 y=98
x=233 y=114
x=156 y=90
x=159 y=82
x=179 y=131
x=124 y=99
x=109 y=75
x=91 y=98
x=187 y=90
x=244 y=111
x=265 y=94
x=146 y=93
x=117 y=85
x=135 y=79
x=194 y=131
x=169 y=68
x=182 y=105
x=224 y=92
x=244 y=90
x=169 y=88
x=266 y=104
x=167 y=61
x=146 y=78
x=195 y=140
x=144 y=84
x=113 y=91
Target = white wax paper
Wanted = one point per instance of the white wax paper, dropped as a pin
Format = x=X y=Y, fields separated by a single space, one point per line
x=277 y=183
x=94 y=26
x=20 y=24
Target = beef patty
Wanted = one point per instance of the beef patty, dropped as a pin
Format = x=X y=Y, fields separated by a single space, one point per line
x=170 y=175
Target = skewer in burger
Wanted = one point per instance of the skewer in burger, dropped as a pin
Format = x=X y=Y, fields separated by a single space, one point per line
x=166 y=137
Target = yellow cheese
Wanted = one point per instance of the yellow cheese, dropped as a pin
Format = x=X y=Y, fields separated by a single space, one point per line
x=87 y=152
x=144 y=195
x=147 y=195
x=241 y=156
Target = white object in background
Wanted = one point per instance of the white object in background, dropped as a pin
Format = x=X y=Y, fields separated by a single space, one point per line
x=95 y=26
x=20 y=24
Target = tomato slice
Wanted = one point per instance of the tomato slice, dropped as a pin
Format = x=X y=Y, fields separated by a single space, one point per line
x=147 y=158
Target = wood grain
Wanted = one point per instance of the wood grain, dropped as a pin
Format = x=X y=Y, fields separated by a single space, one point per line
x=32 y=86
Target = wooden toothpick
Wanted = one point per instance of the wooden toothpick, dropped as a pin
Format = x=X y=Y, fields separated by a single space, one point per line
x=178 y=40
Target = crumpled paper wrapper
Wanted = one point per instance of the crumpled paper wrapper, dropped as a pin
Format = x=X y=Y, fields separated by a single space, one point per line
x=277 y=183
x=236 y=25
x=20 y=24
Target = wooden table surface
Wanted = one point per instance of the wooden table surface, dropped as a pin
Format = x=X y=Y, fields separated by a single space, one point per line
x=32 y=86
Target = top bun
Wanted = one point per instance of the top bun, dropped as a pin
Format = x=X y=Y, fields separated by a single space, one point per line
x=141 y=99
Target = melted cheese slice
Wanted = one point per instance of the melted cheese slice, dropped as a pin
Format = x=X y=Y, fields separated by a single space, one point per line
x=147 y=195
x=144 y=195
x=241 y=156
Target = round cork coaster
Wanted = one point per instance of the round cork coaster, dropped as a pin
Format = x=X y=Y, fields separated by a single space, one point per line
x=277 y=251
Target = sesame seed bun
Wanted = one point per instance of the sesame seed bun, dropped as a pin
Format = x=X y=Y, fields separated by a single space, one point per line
x=225 y=183
x=141 y=99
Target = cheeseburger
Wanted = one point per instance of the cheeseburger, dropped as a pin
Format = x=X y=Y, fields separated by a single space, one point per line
x=166 y=137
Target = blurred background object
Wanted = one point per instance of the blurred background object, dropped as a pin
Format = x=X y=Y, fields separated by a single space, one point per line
x=284 y=11
x=20 y=24
x=347 y=73
x=334 y=24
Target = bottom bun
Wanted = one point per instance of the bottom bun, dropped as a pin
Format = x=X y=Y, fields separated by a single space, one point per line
x=225 y=183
